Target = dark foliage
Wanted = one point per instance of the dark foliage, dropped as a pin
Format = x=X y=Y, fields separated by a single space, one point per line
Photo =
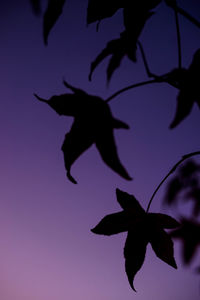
x=185 y=186
x=135 y=16
x=101 y=9
x=36 y=6
x=143 y=228
x=189 y=234
x=93 y=124
x=52 y=13
x=189 y=91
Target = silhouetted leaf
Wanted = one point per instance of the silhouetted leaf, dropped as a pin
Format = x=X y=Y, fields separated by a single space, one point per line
x=129 y=202
x=163 y=246
x=134 y=252
x=93 y=124
x=189 y=234
x=52 y=13
x=118 y=48
x=136 y=13
x=101 y=9
x=143 y=228
x=189 y=91
x=36 y=6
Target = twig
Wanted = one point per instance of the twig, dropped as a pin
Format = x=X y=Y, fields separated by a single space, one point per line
x=145 y=61
x=161 y=78
x=184 y=157
x=178 y=39
x=131 y=87
x=184 y=13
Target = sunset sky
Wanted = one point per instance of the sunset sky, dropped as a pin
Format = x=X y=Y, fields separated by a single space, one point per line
x=47 y=250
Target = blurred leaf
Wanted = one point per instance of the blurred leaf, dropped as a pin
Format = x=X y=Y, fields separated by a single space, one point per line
x=185 y=186
x=52 y=13
x=36 y=6
x=143 y=228
x=189 y=234
x=194 y=195
x=93 y=124
x=189 y=91
x=173 y=189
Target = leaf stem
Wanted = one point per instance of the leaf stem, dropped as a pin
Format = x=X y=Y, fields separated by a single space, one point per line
x=178 y=39
x=131 y=87
x=184 y=157
x=184 y=13
x=145 y=61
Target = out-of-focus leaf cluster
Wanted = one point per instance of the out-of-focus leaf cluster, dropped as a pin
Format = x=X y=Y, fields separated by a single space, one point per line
x=189 y=234
x=185 y=186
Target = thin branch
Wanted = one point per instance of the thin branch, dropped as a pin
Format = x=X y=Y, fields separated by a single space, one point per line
x=131 y=87
x=178 y=39
x=184 y=157
x=161 y=78
x=145 y=61
x=184 y=13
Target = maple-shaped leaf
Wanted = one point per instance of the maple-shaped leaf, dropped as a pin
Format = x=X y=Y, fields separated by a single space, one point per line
x=36 y=6
x=189 y=234
x=143 y=228
x=93 y=124
x=189 y=91
x=51 y=15
x=101 y=9
x=117 y=48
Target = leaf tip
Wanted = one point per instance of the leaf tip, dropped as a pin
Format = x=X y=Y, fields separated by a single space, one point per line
x=132 y=286
x=69 y=176
x=173 y=264
x=94 y=230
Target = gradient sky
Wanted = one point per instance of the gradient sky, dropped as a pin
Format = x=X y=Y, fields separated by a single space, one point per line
x=47 y=250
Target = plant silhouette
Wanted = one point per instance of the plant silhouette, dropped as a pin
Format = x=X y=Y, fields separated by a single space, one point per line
x=93 y=124
x=135 y=16
x=52 y=13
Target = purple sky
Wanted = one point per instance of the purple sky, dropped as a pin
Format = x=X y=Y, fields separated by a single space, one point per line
x=47 y=249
